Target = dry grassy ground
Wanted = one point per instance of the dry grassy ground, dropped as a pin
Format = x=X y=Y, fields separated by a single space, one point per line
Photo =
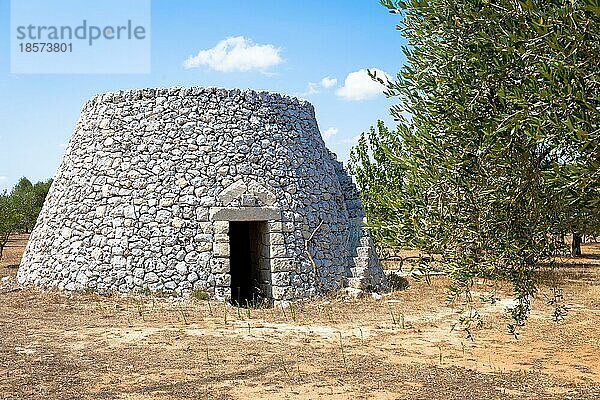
x=69 y=346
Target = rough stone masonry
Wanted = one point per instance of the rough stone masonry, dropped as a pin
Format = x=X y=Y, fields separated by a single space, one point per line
x=228 y=191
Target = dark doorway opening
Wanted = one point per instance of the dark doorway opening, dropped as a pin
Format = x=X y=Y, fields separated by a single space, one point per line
x=245 y=241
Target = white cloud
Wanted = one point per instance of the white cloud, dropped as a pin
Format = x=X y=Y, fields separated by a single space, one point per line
x=353 y=140
x=360 y=86
x=328 y=82
x=236 y=54
x=313 y=88
x=330 y=132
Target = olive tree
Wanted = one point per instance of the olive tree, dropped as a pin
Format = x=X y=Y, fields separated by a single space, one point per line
x=498 y=137
x=29 y=199
x=8 y=220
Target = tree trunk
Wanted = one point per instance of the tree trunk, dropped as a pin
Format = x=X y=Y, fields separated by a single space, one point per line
x=576 y=245
x=3 y=241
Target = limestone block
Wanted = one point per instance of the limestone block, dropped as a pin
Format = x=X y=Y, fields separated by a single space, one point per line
x=280 y=279
x=232 y=191
x=221 y=249
x=263 y=194
x=151 y=277
x=282 y=293
x=275 y=226
x=276 y=238
x=283 y=264
x=202 y=214
x=203 y=247
x=223 y=280
x=221 y=227
x=222 y=238
x=277 y=251
x=220 y=265
x=244 y=213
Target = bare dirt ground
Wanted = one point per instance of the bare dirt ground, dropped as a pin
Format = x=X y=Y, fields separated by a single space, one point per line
x=60 y=345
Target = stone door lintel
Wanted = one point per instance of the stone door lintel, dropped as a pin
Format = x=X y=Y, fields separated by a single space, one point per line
x=245 y=214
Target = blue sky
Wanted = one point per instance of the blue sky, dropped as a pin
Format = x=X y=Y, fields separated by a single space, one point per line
x=281 y=46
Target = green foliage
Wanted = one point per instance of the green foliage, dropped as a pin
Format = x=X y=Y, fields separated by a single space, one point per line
x=20 y=209
x=397 y=282
x=200 y=294
x=29 y=199
x=164 y=293
x=8 y=221
x=496 y=153
x=380 y=179
x=145 y=291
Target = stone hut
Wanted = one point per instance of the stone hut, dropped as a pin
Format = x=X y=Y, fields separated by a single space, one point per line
x=228 y=191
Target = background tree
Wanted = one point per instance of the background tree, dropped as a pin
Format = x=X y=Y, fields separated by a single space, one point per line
x=503 y=99
x=381 y=179
x=8 y=221
x=580 y=212
x=29 y=199
x=20 y=209
x=22 y=196
x=39 y=193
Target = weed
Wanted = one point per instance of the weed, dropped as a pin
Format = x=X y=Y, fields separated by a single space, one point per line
x=145 y=291
x=206 y=351
x=330 y=314
x=397 y=318
x=343 y=354
x=560 y=310
x=140 y=310
x=182 y=314
x=248 y=309
x=394 y=321
x=200 y=294
x=166 y=293
x=286 y=371
x=397 y=282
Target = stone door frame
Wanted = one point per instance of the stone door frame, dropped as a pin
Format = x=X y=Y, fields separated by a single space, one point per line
x=273 y=255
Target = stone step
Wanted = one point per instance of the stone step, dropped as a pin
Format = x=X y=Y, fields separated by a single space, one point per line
x=356 y=283
x=360 y=271
x=364 y=275
x=363 y=251
x=362 y=262
x=366 y=241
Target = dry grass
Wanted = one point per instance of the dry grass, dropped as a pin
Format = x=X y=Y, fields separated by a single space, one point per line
x=74 y=345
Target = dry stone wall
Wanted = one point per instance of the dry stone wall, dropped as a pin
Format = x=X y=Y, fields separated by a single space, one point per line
x=153 y=178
